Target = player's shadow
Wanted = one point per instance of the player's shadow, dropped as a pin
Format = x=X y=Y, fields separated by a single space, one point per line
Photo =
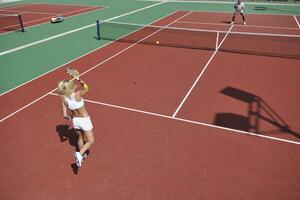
x=258 y=111
x=226 y=22
x=67 y=134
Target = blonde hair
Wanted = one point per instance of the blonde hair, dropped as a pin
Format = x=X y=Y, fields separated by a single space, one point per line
x=66 y=87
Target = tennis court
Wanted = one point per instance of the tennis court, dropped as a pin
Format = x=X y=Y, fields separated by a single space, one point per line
x=34 y=14
x=186 y=106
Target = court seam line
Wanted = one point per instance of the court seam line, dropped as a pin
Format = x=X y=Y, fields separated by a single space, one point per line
x=185 y=120
x=218 y=2
x=216 y=11
x=219 y=24
x=62 y=4
x=297 y=21
x=26 y=12
x=34 y=12
x=90 y=52
x=106 y=60
x=18 y=5
x=51 y=15
x=200 y=75
x=75 y=30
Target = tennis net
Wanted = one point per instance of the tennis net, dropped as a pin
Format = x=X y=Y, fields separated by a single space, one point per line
x=275 y=45
x=11 y=22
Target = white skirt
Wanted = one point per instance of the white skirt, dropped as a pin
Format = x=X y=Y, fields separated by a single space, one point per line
x=83 y=123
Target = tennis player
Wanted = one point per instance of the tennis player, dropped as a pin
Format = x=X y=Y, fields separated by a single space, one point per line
x=72 y=100
x=239 y=9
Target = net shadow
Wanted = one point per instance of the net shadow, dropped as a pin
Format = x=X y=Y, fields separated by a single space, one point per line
x=258 y=111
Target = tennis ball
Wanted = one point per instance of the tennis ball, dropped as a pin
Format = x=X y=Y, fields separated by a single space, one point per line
x=157 y=42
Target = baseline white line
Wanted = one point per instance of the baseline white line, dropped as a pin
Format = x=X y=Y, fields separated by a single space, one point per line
x=228 y=12
x=221 y=2
x=200 y=75
x=186 y=120
x=74 y=30
x=297 y=22
x=18 y=5
x=78 y=57
x=219 y=24
x=30 y=12
x=8 y=1
x=36 y=100
x=62 y=4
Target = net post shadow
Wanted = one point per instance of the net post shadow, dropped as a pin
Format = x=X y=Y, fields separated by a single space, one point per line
x=251 y=122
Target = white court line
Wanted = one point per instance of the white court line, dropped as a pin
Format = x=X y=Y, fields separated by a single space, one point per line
x=48 y=17
x=23 y=12
x=79 y=57
x=230 y=130
x=200 y=75
x=8 y=1
x=210 y=30
x=36 y=100
x=63 y=4
x=253 y=14
x=297 y=22
x=120 y=52
x=221 y=2
x=251 y=26
x=75 y=59
x=17 y=6
x=73 y=31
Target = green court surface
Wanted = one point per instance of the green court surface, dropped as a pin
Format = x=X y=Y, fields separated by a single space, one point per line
x=51 y=45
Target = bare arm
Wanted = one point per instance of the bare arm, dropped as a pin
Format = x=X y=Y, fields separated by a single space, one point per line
x=85 y=88
x=64 y=110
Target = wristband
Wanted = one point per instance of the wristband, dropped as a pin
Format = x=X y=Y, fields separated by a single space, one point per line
x=85 y=86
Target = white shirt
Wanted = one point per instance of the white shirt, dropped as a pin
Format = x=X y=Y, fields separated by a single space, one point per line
x=239 y=7
x=72 y=103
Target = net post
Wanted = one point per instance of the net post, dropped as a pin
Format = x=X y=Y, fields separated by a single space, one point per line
x=98 y=29
x=217 y=40
x=21 y=23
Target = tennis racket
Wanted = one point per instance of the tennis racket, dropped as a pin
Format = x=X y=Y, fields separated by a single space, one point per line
x=72 y=72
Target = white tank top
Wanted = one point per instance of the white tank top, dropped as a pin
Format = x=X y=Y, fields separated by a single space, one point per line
x=239 y=7
x=72 y=103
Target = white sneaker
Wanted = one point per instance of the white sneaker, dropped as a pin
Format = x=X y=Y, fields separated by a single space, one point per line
x=78 y=159
x=244 y=23
x=84 y=156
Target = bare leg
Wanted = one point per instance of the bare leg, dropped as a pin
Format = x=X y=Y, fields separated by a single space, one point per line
x=244 y=21
x=89 y=141
x=80 y=140
x=233 y=17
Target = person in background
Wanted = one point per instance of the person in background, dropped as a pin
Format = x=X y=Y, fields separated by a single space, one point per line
x=239 y=9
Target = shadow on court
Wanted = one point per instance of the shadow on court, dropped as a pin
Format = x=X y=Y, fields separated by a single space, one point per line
x=258 y=111
x=65 y=134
